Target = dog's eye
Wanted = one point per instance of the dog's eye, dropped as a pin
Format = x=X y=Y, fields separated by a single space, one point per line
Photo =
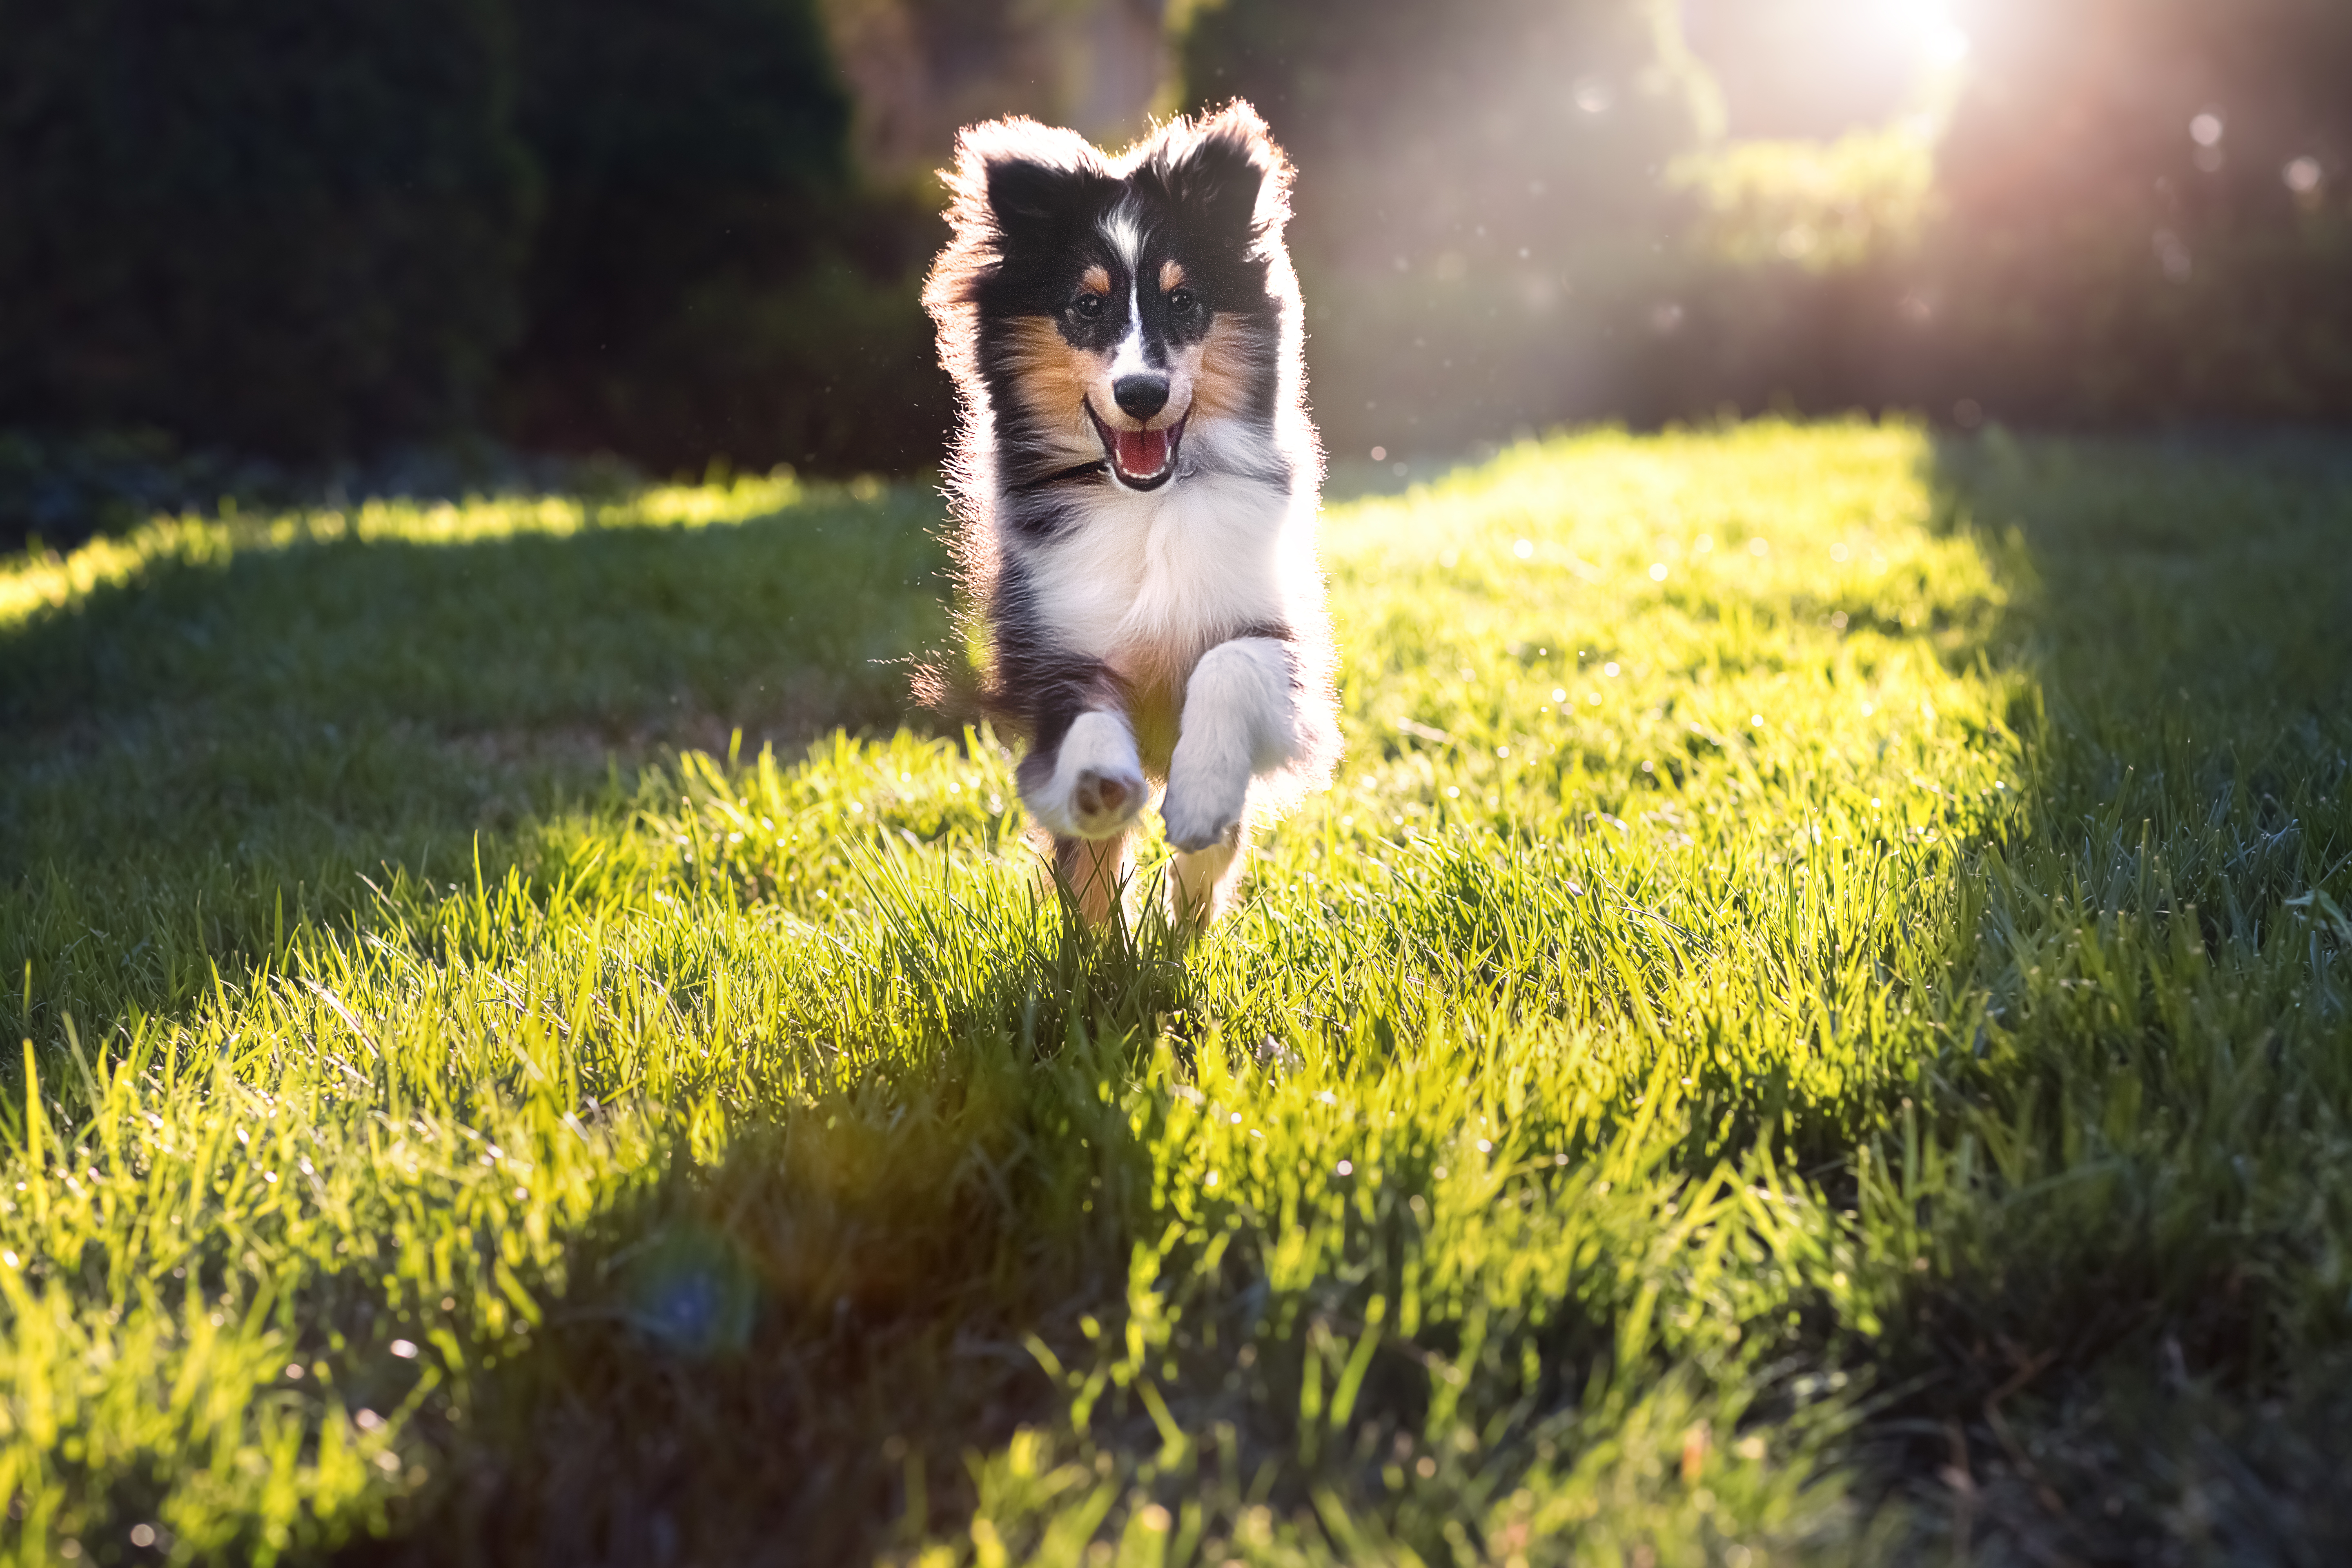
x=1180 y=303
x=1088 y=307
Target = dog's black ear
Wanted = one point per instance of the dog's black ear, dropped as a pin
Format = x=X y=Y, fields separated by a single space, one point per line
x=1218 y=171
x=1015 y=178
x=1016 y=191
x=1034 y=201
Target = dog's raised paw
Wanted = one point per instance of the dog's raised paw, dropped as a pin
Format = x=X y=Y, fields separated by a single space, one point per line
x=1194 y=822
x=1103 y=801
x=1095 y=787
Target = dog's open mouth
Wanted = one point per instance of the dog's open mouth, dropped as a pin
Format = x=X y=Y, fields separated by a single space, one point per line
x=1143 y=459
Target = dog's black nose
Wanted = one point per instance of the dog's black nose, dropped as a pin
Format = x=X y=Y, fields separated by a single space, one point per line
x=1141 y=396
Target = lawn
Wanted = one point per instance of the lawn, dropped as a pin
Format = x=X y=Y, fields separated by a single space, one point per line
x=1815 y=1026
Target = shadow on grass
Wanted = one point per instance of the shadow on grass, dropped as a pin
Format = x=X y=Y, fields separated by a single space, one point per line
x=229 y=743
x=2128 y=1337
x=785 y=1355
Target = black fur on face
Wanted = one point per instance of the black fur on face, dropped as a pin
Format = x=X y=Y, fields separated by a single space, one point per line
x=1103 y=309
x=1059 y=259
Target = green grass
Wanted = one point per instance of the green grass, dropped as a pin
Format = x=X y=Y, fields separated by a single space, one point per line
x=1813 y=1026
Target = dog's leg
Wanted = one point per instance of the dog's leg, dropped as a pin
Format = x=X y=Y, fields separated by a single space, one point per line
x=1095 y=871
x=1200 y=883
x=1241 y=719
x=1082 y=778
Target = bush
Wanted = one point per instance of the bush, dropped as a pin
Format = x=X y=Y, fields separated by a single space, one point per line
x=318 y=229
x=708 y=280
x=281 y=225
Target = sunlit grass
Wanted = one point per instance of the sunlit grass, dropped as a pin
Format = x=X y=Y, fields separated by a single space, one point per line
x=1811 y=1023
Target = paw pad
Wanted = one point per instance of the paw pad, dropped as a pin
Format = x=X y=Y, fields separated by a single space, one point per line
x=1100 y=794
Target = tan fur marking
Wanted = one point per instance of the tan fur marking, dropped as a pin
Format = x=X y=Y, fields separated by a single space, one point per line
x=1094 y=871
x=1222 y=381
x=1097 y=278
x=1171 y=276
x=1053 y=377
x=1155 y=673
x=1158 y=684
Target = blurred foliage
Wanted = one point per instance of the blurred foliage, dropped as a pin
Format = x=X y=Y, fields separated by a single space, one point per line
x=2146 y=217
x=318 y=233
x=56 y=492
x=1463 y=173
x=2135 y=215
x=312 y=230
x=708 y=280
x=1479 y=127
x=1512 y=218
x=284 y=225
x=919 y=70
x=1823 y=204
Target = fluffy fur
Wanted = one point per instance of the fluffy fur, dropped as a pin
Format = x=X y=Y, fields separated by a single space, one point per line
x=1135 y=484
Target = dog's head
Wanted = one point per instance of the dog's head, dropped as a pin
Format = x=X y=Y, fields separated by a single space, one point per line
x=1120 y=302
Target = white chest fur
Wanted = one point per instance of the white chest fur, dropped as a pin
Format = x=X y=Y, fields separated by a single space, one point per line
x=1141 y=575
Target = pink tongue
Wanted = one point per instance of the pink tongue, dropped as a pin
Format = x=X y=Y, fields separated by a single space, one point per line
x=1142 y=452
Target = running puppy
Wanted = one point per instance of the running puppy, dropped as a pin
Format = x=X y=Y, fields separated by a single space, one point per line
x=1135 y=483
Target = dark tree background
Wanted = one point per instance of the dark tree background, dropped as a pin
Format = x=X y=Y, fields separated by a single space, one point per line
x=313 y=229
x=309 y=228
x=708 y=280
x=290 y=224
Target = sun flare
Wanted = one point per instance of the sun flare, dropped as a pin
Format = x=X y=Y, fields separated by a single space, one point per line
x=1935 y=35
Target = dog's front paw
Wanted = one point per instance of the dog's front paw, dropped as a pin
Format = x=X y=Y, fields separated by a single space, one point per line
x=1103 y=801
x=1096 y=788
x=1202 y=809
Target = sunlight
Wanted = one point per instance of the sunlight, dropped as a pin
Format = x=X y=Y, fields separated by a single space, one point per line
x=1929 y=23
x=1821 y=67
x=1920 y=33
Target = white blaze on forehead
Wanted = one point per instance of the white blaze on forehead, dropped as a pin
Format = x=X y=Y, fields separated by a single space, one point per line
x=1131 y=359
x=1121 y=228
x=1125 y=232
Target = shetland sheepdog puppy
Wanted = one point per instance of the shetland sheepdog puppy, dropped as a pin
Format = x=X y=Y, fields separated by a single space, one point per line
x=1135 y=485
